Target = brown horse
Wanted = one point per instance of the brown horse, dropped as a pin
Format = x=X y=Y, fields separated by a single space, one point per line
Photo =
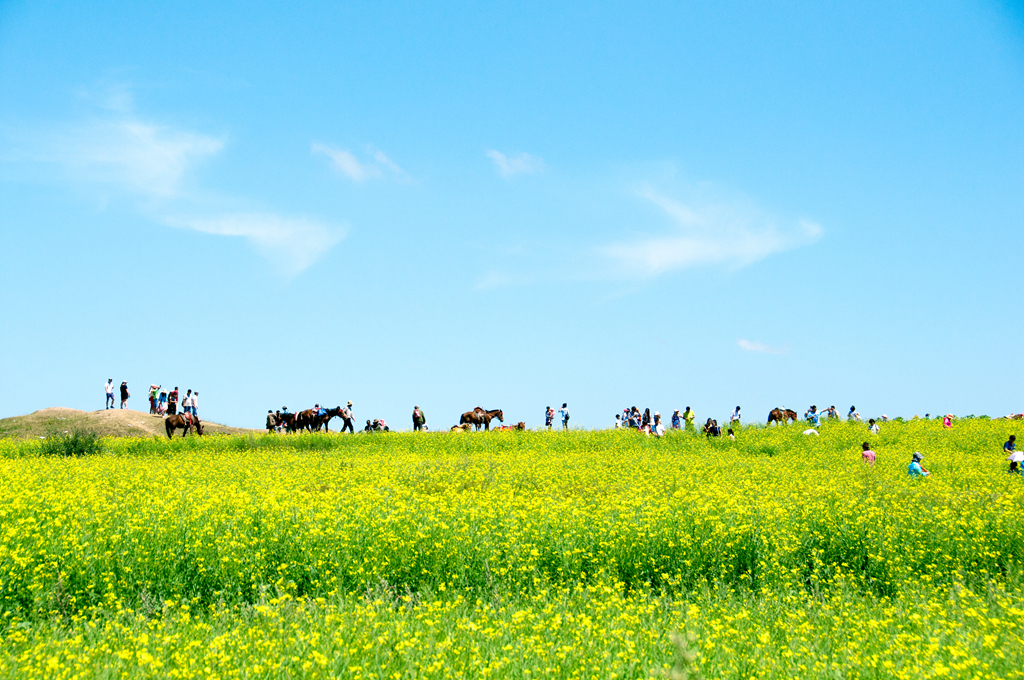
x=306 y=420
x=478 y=417
x=780 y=415
x=322 y=421
x=186 y=421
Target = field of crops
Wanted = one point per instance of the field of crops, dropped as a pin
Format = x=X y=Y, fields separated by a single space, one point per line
x=581 y=554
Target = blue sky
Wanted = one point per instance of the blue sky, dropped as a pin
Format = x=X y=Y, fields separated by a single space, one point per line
x=516 y=206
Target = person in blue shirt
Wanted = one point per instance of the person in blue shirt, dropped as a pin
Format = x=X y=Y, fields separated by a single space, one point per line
x=1011 y=445
x=915 y=469
x=676 y=420
x=813 y=416
x=564 y=415
x=1009 y=448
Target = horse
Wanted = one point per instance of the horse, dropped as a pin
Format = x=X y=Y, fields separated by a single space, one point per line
x=186 y=421
x=288 y=420
x=478 y=417
x=466 y=427
x=780 y=415
x=307 y=420
x=322 y=421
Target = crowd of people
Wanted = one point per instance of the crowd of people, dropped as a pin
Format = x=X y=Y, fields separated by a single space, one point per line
x=161 y=402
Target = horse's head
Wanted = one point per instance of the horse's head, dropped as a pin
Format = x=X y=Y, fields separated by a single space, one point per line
x=500 y=415
x=199 y=427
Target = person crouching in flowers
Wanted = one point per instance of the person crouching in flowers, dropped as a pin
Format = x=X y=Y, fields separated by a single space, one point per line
x=915 y=469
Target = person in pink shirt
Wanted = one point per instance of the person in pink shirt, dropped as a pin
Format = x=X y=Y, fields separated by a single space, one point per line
x=867 y=454
x=947 y=422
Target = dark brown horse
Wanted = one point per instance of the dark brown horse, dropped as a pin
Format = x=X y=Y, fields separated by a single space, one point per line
x=478 y=417
x=186 y=421
x=780 y=415
x=305 y=420
x=322 y=421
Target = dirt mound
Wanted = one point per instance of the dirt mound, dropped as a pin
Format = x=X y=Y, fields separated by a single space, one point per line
x=107 y=423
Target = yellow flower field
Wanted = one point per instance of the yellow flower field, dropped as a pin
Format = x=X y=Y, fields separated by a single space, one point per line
x=581 y=554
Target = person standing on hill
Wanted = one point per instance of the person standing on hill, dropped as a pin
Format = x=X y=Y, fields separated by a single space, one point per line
x=853 y=416
x=161 y=404
x=124 y=394
x=563 y=413
x=154 y=392
x=186 y=403
x=195 y=404
x=109 y=387
x=688 y=417
x=549 y=417
x=735 y=418
x=346 y=416
x=418 y=419
x=675 y=419
x=658 y=427
x=172 y=402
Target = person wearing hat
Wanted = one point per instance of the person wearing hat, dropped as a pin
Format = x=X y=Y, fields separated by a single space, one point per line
x=915 y=469
x=657 y=427
x=418 y=419
x=676 y=420
x=947 y=422
x=346 y=415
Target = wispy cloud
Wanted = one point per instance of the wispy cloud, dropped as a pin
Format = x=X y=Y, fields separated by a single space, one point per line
x=124 y=152
x=520 y=164
x=349 y=165
x=733 y=235
x=292 y=244
x=755 y=346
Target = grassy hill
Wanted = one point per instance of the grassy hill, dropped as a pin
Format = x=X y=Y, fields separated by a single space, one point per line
x=108 y=423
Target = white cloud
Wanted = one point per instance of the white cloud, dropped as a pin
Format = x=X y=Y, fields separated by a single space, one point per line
x=521 y=164
x=292 y=244
x=716 y=234
x=755 y=346
x=349 y=165
x=129 y=153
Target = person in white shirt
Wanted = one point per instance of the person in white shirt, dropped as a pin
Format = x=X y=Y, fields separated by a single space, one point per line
x=735 y=416
x=109 y=387
x=563 y=413
x=872 y=426
x=618 y=421
x=195 y=404
x=659 y=429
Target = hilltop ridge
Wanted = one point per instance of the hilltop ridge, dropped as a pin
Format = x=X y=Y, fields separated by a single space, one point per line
x=106 y=423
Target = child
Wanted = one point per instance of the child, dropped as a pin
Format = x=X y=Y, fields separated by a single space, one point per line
x=732 y=435
x=915 y=469
x=867 y=455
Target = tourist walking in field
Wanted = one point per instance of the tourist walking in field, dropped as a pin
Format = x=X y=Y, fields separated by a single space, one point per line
x=346 y=416
x=124 y=394
x=618 y=421
x=915 y=469
x=853 y=416
x=549 y=417
x=172 y=402
x=563 y=413
x=866 y=454
x=645 y=423
x=735 y=417
x=418 y=419
x=947 y=422
x=271 y=421
x=873 y=426
x=109 y=388
x=659 y=429
x=688 y=417
x=676 y=420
